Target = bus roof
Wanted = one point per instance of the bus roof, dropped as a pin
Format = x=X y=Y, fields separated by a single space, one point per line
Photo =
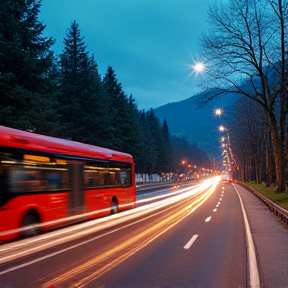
x=10 y=137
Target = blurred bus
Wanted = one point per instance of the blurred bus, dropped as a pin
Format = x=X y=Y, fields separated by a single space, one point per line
x=46 y=182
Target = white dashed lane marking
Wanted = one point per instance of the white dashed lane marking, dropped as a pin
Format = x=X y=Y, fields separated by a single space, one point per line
x=208 y=219
x=190 y=242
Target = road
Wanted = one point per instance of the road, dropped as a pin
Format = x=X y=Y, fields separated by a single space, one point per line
x=192 y=241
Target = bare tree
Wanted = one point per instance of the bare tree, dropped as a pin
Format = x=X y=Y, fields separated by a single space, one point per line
x=246 y=42
x=251 y=142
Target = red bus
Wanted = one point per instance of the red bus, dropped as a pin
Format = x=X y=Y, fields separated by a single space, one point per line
x=46 y=182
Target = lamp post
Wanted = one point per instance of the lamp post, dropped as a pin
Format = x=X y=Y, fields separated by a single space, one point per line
x=186 y=169
x=227 y=151
x=222 y=128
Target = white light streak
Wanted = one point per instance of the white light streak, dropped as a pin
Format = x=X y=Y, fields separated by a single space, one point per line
x=25 y=247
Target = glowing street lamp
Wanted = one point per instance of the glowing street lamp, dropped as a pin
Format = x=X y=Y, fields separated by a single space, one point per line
x=218 y=111
x=186 y=167
x=198 y=68
x=222 y=128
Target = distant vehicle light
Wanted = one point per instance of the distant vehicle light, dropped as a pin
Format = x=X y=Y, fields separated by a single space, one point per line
x=227 y=180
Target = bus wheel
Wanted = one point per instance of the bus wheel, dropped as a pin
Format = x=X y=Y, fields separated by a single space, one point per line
x=114 y=207
x=30 y=225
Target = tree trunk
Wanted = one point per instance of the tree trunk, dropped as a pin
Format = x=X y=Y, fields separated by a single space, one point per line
x=243 y=176
x=270 y=163
x=279 y=159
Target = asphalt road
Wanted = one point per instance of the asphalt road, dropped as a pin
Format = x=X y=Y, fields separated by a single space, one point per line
x=194 y=242
x=217 y=257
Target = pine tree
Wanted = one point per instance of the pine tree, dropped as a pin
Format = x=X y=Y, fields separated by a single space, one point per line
x=167 y=150
x=25 y=61
x=146 y=162
x=75 y=73
x=118 y=101
x=157 y=141
x=96 y=106
x=131 y=129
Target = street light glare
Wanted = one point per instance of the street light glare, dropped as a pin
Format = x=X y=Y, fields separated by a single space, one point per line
x=199 y=67
x=218 y=111
x=221 y=128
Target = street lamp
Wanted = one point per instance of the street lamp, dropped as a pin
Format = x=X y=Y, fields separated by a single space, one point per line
x=186 y=170
x=198 y=68
x=218 y=111
x=222 y=128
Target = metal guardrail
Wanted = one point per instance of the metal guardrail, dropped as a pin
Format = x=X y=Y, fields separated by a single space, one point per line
x=277 y=210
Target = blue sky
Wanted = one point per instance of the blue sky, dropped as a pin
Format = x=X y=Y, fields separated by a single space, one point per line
x=149 y=43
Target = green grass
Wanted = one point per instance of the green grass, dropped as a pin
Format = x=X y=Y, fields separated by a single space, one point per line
x=269 y=192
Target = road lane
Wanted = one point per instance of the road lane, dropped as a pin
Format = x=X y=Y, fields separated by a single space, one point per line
x=217 y=257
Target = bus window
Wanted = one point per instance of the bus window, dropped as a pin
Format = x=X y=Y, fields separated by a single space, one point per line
x=107 y=176
x=109 y=179
x=37 y=179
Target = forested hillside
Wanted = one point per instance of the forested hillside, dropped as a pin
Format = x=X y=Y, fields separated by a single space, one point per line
x=196 y=121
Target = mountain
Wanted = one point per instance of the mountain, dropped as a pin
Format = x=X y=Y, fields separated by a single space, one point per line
x=197 y=122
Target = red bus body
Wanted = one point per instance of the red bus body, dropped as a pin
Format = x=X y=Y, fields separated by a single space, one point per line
x=55 y=180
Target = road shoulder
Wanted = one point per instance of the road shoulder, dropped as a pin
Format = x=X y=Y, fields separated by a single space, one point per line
x=270 y=239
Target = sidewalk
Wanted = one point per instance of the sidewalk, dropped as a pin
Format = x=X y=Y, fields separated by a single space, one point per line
x=271 y=241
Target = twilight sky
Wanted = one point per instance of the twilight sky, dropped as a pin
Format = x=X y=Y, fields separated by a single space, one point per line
x=149 y=43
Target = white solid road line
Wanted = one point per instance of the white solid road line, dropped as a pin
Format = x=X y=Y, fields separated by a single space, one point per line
x=191 y=241
x=254 y=279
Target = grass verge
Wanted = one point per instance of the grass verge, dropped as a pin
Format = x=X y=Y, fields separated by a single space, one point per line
x=269 y=192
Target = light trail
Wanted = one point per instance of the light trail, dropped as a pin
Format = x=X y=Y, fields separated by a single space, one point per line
x=129 y=247
x=74 y=218
x=180 y=191
x=25 y=247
